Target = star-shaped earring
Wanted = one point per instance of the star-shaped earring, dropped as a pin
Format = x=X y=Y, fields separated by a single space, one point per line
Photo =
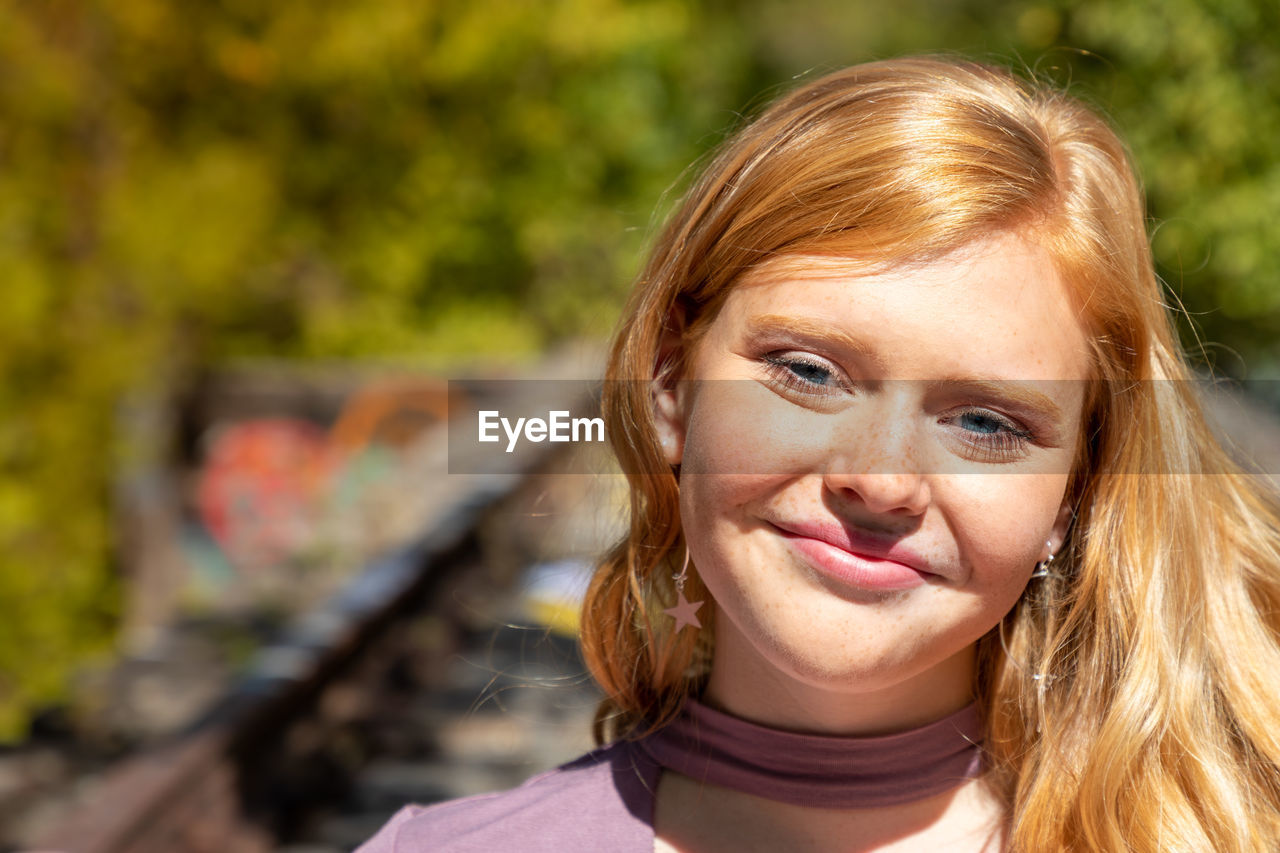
x=685 y=611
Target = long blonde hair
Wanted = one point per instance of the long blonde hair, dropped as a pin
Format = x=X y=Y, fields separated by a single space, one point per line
x=1131 y=703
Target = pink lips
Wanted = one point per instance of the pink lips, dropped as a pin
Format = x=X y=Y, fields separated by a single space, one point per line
x=856 y=560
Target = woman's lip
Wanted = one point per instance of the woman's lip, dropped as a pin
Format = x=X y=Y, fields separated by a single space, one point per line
x=856 y=560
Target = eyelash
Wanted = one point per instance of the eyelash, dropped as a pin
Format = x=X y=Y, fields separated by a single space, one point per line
x=1006 y=445
x=783 y=369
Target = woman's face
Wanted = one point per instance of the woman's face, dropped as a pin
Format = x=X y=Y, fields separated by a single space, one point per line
x=872 y=464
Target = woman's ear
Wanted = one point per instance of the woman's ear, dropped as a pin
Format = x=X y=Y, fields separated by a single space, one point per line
x=1061 y=526
x=669 y=421
x=668 y=414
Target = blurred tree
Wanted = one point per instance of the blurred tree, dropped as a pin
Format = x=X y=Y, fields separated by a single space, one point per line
x=186 y=183
x=1193 y=83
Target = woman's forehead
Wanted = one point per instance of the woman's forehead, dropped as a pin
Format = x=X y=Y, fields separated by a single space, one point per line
x=841 y=258
x=993 y=308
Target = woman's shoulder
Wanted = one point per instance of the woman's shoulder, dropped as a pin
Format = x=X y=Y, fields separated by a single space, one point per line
x=601 y=801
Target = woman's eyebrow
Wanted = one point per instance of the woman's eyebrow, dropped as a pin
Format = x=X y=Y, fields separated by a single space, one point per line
x=1022 y=392
x=807 y=329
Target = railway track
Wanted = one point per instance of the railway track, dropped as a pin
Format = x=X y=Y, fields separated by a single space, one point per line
x=433 y=673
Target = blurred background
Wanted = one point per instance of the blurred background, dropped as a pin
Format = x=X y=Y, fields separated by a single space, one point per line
x=244 y=244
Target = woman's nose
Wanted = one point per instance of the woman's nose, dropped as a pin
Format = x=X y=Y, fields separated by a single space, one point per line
x=882 y=494
x=879 y=470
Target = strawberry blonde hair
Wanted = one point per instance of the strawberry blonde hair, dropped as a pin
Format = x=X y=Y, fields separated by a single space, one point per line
x=1130 y=704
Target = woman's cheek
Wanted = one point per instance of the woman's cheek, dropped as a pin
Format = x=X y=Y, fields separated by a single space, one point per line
x=1001 y=523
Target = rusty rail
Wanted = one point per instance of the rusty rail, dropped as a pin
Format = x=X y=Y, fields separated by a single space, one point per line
x=218 y=785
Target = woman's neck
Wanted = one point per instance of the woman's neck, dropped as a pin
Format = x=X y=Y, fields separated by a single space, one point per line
x=730 y=784
x=695 y=812
x=755 y=690
x=694 y=816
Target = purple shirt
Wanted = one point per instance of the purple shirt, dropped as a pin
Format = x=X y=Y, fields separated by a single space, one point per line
x=601 y=801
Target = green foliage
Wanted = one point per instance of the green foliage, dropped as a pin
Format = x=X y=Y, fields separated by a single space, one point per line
x=186 y=183
x=1193 y=86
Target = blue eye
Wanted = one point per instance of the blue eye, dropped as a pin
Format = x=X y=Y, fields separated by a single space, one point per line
x=990 y=437
x=983 y=423
x=811 y=373
x=803 y=374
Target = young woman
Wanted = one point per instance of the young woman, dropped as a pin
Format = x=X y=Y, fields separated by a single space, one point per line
x=930 y=547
